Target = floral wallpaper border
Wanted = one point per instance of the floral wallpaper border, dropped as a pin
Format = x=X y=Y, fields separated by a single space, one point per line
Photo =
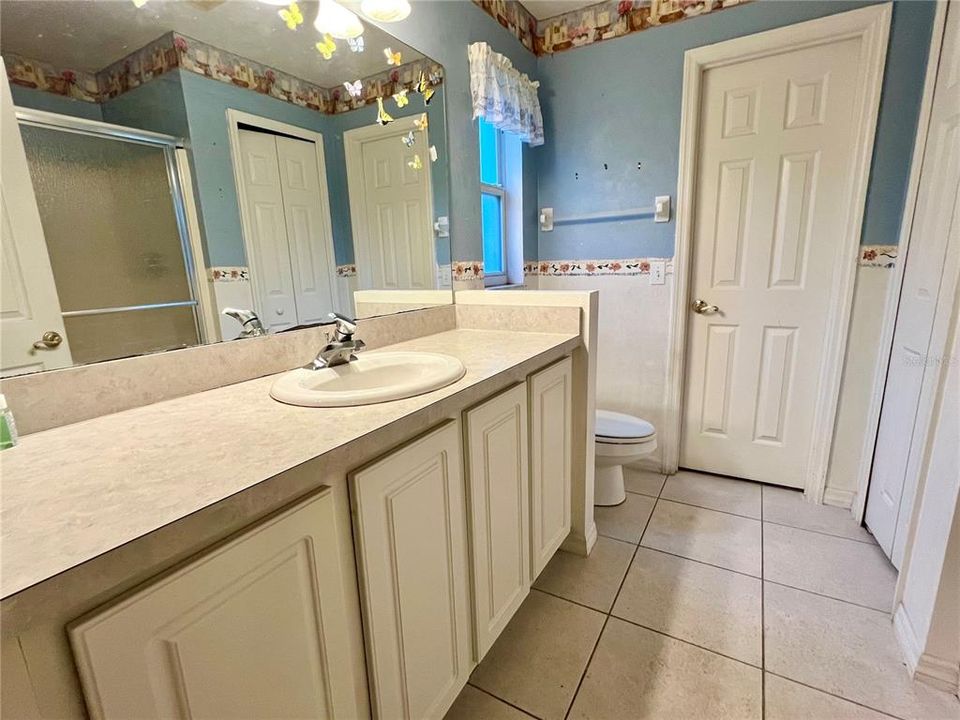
x=630 y=266
x=467 y=269
x=229 y=274
x=346 y=271
x=604 y=20
x=884 y=256
x=173 y=50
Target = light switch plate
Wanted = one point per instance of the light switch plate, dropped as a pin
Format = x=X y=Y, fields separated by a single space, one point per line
x=661 y=208
x=657 y=270
x=546 y=219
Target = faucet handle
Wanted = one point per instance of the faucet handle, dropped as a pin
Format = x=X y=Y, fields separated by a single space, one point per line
x=345 y=327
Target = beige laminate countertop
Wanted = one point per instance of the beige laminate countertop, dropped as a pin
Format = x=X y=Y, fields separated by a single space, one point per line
x=72 y=493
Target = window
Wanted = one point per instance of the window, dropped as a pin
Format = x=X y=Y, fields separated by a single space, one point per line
x=493 y=205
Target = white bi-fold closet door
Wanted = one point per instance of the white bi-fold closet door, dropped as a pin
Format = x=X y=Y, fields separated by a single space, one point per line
x=289 y=237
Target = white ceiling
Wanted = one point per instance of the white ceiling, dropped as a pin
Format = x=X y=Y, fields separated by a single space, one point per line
x=92 y=34
x=543 y=9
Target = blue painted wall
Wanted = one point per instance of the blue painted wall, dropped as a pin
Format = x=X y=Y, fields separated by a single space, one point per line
x=618 y=102
x=157 y=106
x=41 y=100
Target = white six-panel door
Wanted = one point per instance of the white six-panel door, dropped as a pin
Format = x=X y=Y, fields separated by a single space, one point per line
x=396 y=252
x=29 y=303
x=776 y=152
x=900 y=436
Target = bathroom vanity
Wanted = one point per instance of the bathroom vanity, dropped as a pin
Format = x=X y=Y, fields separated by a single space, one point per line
x=224 y=554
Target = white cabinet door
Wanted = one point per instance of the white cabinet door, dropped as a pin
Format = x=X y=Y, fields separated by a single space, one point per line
x=253 y=629
x=411 y=543
x=551 y=430
x=499 y=490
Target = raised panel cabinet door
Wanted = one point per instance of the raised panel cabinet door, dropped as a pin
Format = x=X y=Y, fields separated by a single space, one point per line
x=254 y=629
x=410 y=530
x=551 y=418
x=498 y=490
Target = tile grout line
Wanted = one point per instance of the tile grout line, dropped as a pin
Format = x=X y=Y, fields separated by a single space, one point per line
x=831 y=597
x=607 y=615
x=505 y=702
x=834 y=695
x=763 y=622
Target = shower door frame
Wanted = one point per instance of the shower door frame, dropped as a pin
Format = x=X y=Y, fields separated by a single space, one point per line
x=169 y=144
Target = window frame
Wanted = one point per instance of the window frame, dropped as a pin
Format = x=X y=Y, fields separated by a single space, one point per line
x=498 y=278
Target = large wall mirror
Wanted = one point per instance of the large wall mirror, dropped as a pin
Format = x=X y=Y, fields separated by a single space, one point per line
x=186 y=157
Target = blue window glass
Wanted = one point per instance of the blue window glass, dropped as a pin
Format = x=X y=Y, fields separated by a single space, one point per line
x=489 y=164
x=491 y=215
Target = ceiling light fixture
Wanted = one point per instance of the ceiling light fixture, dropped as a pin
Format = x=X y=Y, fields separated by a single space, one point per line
x=335 y=20
x=276 y=2
x=385 y=10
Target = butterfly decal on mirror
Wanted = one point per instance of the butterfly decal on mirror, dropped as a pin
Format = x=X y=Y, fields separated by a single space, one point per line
x=326 y=47
x=355 y=88
x=416 y=163
x=422 y=122
x=401 y=98
x=291 y=15
x=393 y=58
x=423 y=87
x=356 y=44
x=409 y=139
x=383 y=117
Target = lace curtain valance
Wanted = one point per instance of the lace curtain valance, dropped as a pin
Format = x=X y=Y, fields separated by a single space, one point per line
x=503 y=96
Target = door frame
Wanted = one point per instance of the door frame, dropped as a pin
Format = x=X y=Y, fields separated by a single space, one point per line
x=353 y=141
x=872 y=25
x=234 y=119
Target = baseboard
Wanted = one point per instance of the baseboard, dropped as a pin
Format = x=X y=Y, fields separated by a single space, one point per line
x=939 y=673
x=924 y=667
x=580 y=545
x=839 y=498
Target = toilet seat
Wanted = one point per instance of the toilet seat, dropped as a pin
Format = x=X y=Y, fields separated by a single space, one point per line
x=615 y=428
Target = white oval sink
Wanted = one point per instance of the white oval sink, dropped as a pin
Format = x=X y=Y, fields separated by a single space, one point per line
x=373 y=378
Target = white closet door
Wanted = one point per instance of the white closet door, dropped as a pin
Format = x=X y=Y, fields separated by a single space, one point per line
x=902 y=430
x=308 y=228
x=271 y=268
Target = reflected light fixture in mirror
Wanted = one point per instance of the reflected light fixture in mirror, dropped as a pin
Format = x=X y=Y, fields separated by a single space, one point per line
x=338 y=22
x=385 y=10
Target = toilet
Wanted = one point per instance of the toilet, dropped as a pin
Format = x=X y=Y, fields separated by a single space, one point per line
x=620 y=440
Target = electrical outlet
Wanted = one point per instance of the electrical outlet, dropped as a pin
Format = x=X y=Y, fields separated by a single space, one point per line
x=657 y=271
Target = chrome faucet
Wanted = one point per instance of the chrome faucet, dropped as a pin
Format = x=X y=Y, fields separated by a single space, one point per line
x=342 y=348
x=250 y=325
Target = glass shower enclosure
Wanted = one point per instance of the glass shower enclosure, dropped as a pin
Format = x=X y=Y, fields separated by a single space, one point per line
x=112 y=211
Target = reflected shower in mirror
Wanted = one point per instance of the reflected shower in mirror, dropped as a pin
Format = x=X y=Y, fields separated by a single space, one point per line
x=181 y=158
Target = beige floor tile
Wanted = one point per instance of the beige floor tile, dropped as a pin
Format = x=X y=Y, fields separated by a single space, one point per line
x=787 y=700
x=714 y=608
x=473 y=704
x=716 y=493
x=537 y=661
x=834 y=566
x=637 y=673
x=787 y=507
x=592 y=580
x=626 y=520
x=644 y=482
x=707 y=535
x=845 y=650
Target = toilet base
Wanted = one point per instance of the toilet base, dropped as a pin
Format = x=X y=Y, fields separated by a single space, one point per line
x=608 y=486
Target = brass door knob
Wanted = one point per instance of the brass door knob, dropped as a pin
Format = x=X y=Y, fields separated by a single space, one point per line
x=702 y=307
x=50 y=340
